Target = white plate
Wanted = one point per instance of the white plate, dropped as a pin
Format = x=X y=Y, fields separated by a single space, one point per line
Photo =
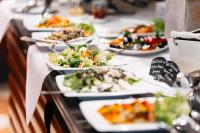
x=114 y=61
x=90 y=108
x=137 y=52
x=60 y=68
x=42 y=35
x=104 y=45
x=31 y=23
x=140 y=87
x=110 y=30
x=110 y=35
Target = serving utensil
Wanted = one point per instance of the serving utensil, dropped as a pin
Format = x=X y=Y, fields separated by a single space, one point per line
x=29 y=39
x=80 y=39
x=194 y=94
x=86 y=40
x=194 y=79
x=53 y=43
x=185 y=124
x=47 y=5
x=196 y=116
x=53 y=92
x=31 y=4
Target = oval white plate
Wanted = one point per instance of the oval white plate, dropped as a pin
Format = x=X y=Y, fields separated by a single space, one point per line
x=140 y=87
x=90 y=112
x=60 y=46
x=60 y=68
x=112 y=63
x=110 y=30
x=31 y=22
x=137 y=52
x=110 y=35
x=31 y=25
x=41 y=36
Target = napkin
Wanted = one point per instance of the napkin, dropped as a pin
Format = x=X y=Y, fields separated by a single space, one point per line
x=37 y=70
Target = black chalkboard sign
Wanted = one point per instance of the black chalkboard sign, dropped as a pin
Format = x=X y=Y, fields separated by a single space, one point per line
x=170 y=72
x=157 y=66
x=163 y=70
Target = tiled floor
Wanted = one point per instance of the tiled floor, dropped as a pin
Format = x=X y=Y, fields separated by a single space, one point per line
x=4 y=119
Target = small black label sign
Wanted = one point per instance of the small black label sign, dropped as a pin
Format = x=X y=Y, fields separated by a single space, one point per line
x=163 y=70
x=170 y=72
x=157 y=66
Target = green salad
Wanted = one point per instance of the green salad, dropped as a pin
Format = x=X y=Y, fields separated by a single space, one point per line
x=87 y=28
x=158 y=25
x=100 y=80
x=169 y=108
x=80 y=56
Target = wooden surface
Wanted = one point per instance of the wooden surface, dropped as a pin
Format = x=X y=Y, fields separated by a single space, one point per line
x=4 y=120
x=182 y=15
x=193 y=15
x=16 y=60
x=175 y=16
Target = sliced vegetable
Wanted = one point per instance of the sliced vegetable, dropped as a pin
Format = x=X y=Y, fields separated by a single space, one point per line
x=138 y=42
x=141 y=111
x=88 y=28
x=99 y=80
x=80 y=56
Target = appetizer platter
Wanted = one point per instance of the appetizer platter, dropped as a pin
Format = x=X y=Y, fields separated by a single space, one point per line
x=134 y=114
x=77 y=57
x=52 y=23
x=130 y=44
x=136 y=27
x=80 y=30
x=101 y=82
x=80 y=33
x=154 y=25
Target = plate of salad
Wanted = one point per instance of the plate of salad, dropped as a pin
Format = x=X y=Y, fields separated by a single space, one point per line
x=130 y=44
x=150 y=28
x=78 y=57
x=142 y=114
x=101 y=82
x=136 y=27
x=84 y=32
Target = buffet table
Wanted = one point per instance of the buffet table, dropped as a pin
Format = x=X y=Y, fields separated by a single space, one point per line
x=54 y=113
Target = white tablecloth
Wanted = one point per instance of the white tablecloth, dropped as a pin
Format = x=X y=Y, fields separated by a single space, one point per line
x=37 y=70
x=140 y=65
